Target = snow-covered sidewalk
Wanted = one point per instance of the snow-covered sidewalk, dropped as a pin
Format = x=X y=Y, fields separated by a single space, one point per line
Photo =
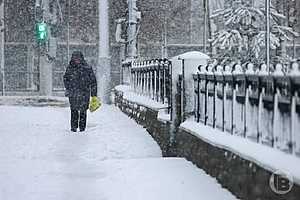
x=115 y=159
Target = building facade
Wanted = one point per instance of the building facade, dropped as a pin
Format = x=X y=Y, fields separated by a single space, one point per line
x=167 y=28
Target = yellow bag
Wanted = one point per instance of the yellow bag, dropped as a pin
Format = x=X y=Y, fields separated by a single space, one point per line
x=95 y=103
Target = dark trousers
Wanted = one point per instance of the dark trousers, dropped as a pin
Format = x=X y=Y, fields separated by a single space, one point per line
x=78 y=118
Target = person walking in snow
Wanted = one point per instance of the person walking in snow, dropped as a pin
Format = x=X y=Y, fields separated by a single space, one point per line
x=80 y=83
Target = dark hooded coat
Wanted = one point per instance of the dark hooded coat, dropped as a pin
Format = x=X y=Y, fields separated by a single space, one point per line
x=80 y=83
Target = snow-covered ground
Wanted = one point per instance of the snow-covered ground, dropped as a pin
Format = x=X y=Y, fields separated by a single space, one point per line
x=115 y=159
x=133 y=97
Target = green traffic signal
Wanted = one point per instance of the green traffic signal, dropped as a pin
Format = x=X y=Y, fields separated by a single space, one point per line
x=41 y=31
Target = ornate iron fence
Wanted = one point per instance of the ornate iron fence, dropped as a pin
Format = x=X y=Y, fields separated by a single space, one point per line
x=257 y=105
x=151 y=78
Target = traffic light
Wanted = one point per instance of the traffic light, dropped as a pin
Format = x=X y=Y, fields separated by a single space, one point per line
x=41 y=32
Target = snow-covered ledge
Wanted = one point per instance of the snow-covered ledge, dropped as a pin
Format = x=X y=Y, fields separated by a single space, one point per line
x=131 y=96
x=163 y=116
x=268 y=158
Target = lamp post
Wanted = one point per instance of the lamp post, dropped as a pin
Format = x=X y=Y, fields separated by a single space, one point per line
x=68 y=31
x=46 y=44
x=132 y=14
x=267 y=6
x=205 y=26
x=2 y=46
x=104 y=67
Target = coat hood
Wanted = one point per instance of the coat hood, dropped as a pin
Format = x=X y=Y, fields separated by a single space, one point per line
x=77 y=55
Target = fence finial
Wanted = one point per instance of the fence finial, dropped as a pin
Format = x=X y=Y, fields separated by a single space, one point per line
x=263 y=70
x=238 y=69
x=250 y=68
x=219 y=70
x=295 y=71
x=210 y=69
x=278 y=70
x=202 y=69
x=166 y=62
x=227 y=70
x=151 y=63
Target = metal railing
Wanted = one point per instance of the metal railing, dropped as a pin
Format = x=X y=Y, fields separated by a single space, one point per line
x=20 y=81
x=259 y=106
x=152 y=79
x=25 y=81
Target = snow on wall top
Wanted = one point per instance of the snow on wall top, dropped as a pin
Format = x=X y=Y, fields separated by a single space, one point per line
x=128 y=60
x=262 y=155
x=192 y=60
x=130 y=95
x=192 y=55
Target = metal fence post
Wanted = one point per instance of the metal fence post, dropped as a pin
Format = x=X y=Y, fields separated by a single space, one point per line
x=149 y=79
x=210 y=97
x=183 y=102
x=295 y=108
x=228 y=100
x=202 y=94
x=153 y=80
x=251 y=104
x=239 y=98
x=132 y=76
x=143 y=79
x=196 y=96
x=219 y=98
x=157 y=89
x=170 y=89
x=266 y=107
x=162 y=80
x=282 y=111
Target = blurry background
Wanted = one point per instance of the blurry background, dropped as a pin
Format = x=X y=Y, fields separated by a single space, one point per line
x=167 y=28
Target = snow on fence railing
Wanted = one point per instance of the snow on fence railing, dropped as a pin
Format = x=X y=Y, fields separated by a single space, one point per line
x=258 y=106
x=152 y=79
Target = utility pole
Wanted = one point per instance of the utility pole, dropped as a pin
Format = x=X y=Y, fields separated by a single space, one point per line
x=2 y=31
x=268 y=29
x=47 y=45
x=205 y=26
x=30 y=64
x=165 y=39
x=68 y=31
x=133 y=16
x=132 y=31
x=103 y=73
x=122 y=43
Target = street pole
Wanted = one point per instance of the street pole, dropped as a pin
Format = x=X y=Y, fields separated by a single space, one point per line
x=165 y=35
x=267 y=6
x=132 y=52
x=205 y=26
x=103 y=73
x=2 y=47
x=133 y=16
x=45 y=65
x=68 y=31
